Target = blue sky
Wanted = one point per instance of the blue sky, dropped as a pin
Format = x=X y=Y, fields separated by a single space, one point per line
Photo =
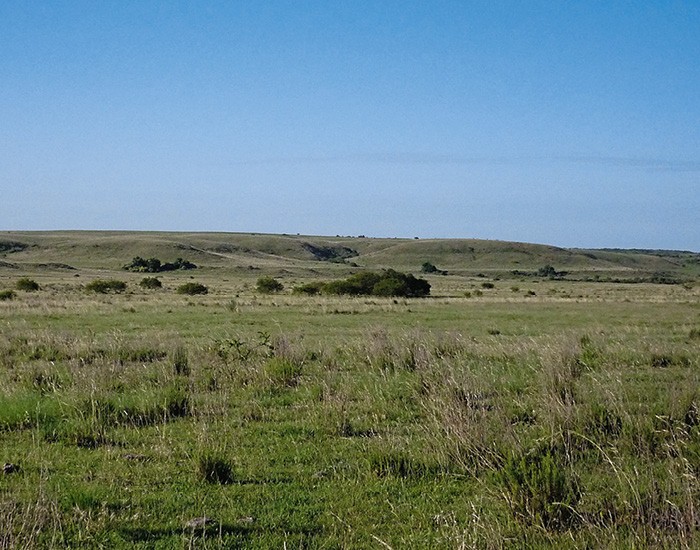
x=566 y=123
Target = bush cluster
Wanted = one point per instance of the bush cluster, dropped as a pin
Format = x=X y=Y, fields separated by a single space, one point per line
x=7 y=295
x=369 y=283
x=26 y=284
x=151 y=283
x=154 y=265
x=192 y=289
x=268 y=285
x=104 y=286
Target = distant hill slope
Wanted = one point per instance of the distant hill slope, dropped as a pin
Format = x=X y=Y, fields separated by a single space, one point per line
x=113 y=249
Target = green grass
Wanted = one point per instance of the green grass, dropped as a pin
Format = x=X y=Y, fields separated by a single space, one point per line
x=566 y=419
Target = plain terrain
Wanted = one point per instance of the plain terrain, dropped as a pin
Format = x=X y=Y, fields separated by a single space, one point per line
x=514 y=407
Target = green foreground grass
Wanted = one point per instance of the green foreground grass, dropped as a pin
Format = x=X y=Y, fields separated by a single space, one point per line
x=567 y=416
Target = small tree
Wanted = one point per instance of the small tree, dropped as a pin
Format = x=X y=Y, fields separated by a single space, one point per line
x=269 y=285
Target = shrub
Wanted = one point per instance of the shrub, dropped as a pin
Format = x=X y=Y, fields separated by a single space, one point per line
x=6 y=295
x=154 y=265
x=487 y=285
x=387 y=283
x=428 y=267
x=104 y=286
x=268 y=285
x=27 y=284
x=150 y=283
x=192 y=288
x=310 y=289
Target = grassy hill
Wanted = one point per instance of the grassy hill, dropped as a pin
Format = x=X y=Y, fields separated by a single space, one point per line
x=301 y=254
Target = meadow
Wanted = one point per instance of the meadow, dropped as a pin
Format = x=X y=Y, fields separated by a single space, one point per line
x=501 y=411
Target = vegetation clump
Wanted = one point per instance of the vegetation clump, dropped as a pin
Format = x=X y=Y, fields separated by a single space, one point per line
x=386 y=283
x=7 y=295
x=429 y=267
x=151 y=283
x=192 y=289
x=269 y=285
x=105 y=286
x=27 y=285
x=154 y=265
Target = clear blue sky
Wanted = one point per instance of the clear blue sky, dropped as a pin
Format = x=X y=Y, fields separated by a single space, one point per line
x=567 y=123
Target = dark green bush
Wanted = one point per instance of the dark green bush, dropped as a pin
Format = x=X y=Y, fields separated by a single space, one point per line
x=387 y=283
x=310 y=289
x=268 y=285
x=154 y=265
x=27 y=284
x=192 y=289
x=104 y=286
x=7 y=295
x=151 y=283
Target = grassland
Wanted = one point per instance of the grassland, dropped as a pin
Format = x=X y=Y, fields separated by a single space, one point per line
x=506 y=410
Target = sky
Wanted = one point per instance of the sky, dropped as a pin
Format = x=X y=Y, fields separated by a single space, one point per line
x=575 y=124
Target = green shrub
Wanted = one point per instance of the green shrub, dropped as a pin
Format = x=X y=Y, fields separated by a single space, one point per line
x=310 y=289
x=27 y=284
x=268 y=285
x=7 y=295
x=387 y=283
x=428 y=267
x=104 y=286
x=150 y=283
x=487 y=285
x=192 y=288
x=154 y=265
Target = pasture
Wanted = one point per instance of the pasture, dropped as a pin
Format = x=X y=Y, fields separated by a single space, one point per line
x=504 y=410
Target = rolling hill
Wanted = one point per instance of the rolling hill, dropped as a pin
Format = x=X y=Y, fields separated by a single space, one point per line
x=110 y=250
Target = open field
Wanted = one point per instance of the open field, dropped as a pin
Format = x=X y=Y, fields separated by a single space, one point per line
x=505 y=410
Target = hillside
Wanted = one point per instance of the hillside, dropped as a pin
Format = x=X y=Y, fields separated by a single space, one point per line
x=110 y=250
